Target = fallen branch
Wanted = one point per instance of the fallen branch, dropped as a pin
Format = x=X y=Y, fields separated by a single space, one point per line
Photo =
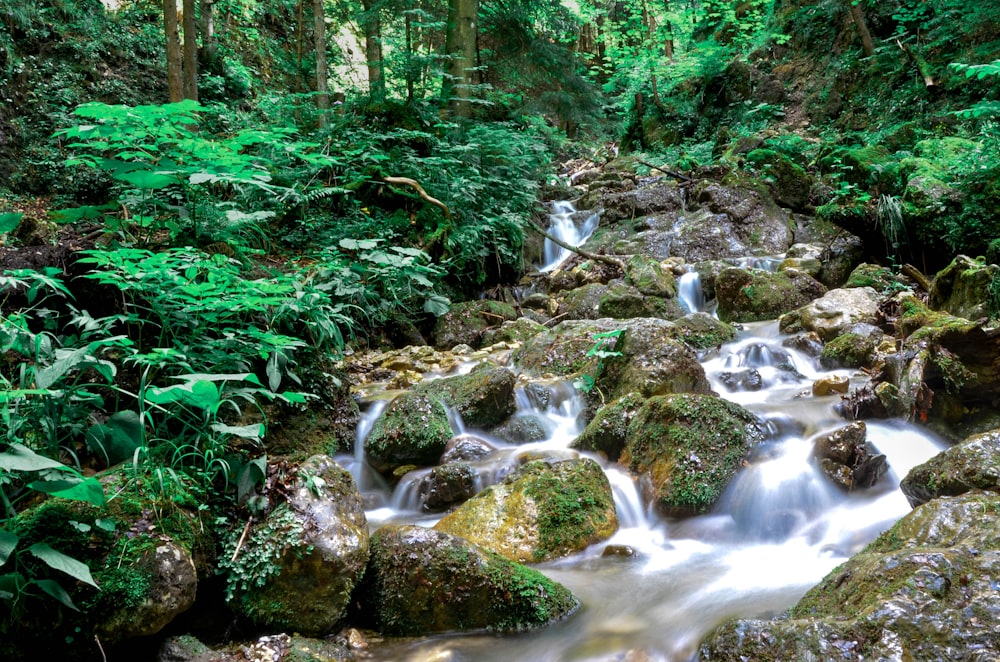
x=669 y=173
x=920 y=63
x=412 y=183
x=914 y=274
x=606 y=259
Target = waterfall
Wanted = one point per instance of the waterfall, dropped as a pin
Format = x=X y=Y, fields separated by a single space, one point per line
x=563 y=225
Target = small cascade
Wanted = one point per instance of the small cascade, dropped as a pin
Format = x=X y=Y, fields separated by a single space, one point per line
x=762 y=262
x=690 y=293
x=565 y=226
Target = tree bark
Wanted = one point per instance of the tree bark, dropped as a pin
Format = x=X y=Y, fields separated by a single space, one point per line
x=460 y=46
x=190 y=69
x=208 y=45
x=372 y=27
x=859 y=22
x=319 y=37
x=175 y=84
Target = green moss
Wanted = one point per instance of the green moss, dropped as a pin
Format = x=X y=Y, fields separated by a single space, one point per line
x=414 y=429
x=849 y=350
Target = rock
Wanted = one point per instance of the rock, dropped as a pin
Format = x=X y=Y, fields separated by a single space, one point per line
x=751 y=295
x=687 y=447
x=466 y=448
x=847 y=459
x=662 y=198
x=467 y=321
x=622 y=301
x=446 y=485
x=297 y=568
x=829 y=385
x=703 y=331
x=513 y=331
x=607 y=431
x=522 y=429
x=856 y=348
x=649 y=277
x=963 y=288
x=483 y=398
x=788 y=182
x=748 y=379
x=584 y=302
x=831 y=315
x=562 y=350
x=420 y=581
x=185 y=648
x=874 y=276
x=540 y=512
x=970 y=465
x=413 y=429
x=924 y=590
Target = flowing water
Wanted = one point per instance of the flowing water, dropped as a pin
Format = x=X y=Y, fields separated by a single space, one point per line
x=569 y=226
x=778 y=529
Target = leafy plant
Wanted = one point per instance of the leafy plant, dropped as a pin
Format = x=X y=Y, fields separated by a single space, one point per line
x=600 y=349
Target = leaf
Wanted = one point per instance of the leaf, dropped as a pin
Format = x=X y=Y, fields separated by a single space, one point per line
x=62 y=562
x=252 y=473
x=146 y=179
x=49 y=375
x=21 y=458
x=117 y=438
x=8 y=543
x=87 y=489
x=437 y=305
x=252 y=432
x=358 y=244
x=9 y=221
x=52 y=588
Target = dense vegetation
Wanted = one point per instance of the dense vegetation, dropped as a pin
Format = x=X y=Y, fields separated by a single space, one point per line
x=180 y=274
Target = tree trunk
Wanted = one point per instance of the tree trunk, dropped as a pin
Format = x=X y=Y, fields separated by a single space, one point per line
x=208 y=45
x=175 y=84
x=372 y=26
x=190 y=72
x=319 y=38
x=460 y=46
x=859 y=22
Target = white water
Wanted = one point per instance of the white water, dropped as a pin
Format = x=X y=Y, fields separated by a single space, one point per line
x=564 y=226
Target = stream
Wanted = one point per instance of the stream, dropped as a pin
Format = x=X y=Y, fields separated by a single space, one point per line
x=778 y=530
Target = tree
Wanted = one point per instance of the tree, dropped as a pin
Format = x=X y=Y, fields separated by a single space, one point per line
x=858 y=16
x=460 y=48
x=190 y=73
x=371 y=24
x=319 y=37
x=175 y=84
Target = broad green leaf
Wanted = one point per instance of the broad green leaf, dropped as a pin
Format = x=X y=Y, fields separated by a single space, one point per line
x=202 y=394
x=437 y=305
x=49 y=375
x=252 y=432
x=359 y=244
x=87 y=489
x=250 y=474
x=52 y=588
x=9 y=221
x=146 y=179
x=117 y=438
x=62 y=562
x=8 y=543
x=21 y=458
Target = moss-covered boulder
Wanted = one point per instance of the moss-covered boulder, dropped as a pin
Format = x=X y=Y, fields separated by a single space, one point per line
x=877 y=277
x=562 y=350
x=483 y=398
x=751 y=295
x=420 y=581
x=516 y=331
x=788 y=182
x=855 y=349
x=540 y=512
x=688 y=447
x=584 y=302
x=297 y=568
x=413 y=429
x=622 y=301
x=649 y=277
x=971 y=465
x=465 y=323
x=703 y=331
x=924 y=590
x=606 y=432
x=963 y=288
x=834 y=312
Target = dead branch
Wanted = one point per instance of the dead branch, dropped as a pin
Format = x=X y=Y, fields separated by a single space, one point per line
x=412 y=183
x=914 y=274
x=606 y=259
x=920 y=63
x=670 y=173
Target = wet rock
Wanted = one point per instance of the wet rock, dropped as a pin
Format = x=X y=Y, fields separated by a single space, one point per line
x=788 y=182
x=522 y=430
x=467 y=321
x=924 y=590
x=483 y=398
x=622 y=301
x=807 y=343
x=583 y=303
x=607 y=431
x=703 y=331
x=830 y=385
x=298 y=567
x=661 y=198
x=447 y=484
x=847 y=459
x=748 y=379
x=421 y=581
x=513 y=331
x=649 y=277
x=856 y=348
x=413 y=429
x=750 y=295
x=875 y=276
x=831 y=315
x=540 y=512
x=687 y=447
x=963 y=288
x=562 y=350
x=466 y=448
x=970 y=465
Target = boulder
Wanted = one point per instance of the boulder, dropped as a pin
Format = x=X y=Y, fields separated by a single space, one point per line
x=687 y=447
x=413 y=429
x=963 y=288
x=847 y=459
x=607 y=431
x=584 y=302
x=420 y=581
x=703 y=331
x=297 y=568
x=856 y=348
x=466 y=448
x=465 y=322
x=513 y=331
x=649 y=277
x=447 y=484
x=751 y=295
x=522 y=429
x=562 y=350
x=924 y=590
x=973 y=464
x=544 y=510
x=484 y=397
x=832 y=314
x=788 y=182
x=622 y=301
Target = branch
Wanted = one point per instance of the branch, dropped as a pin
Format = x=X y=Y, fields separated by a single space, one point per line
x=920 y=63
x=412 y=183
x=669 y=173
x=606 y=259
x=913 y=273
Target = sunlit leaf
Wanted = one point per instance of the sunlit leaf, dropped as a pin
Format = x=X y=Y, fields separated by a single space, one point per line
x=62 y=562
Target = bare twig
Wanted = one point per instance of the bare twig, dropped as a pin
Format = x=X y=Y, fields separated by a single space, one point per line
x=606 y=259
x=243 y=536
x=670 y=173
x=913 y=273
x=412 y=183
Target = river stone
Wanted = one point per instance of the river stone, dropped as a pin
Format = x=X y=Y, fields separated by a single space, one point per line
x=832 y=314
x=687 y=447
x=622 y=301
x=562 y=350
x=522 y=429
x=447 y=484
x=606 y=432
x=516 y=331
x=963 y=288
x=847 y=459
x=413 y=429
x=924 y=590
x=752 y=295
x=483 y=398
x=299 y=565
x=420 y=581
x=649 y=277
x=972 y=464
x=584 y=302
x=703 y=331
x=465 y=322
x=856 y=348
x=544 y=510
x=651 y=363
x=466 y=448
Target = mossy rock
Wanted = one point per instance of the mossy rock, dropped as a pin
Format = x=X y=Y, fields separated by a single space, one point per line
x=540 y=512
x=420 y=581
x=649 y=277
x=751 y=295
x=483 y=398
x=562 y=350
x=854 y=349
x=788 y=181
x=413 y=429
x=877 y=277
x=971 y=465
x=513 y=331
x=860 y=166
x=465 y=322
x=584 y=302
x=834 y=313
x=622 y=301
x=703 y=331
x=688 y=447
x=964 y=289
x=607 y=431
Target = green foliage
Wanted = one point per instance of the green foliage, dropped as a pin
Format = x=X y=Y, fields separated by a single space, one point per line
x=602 y=342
